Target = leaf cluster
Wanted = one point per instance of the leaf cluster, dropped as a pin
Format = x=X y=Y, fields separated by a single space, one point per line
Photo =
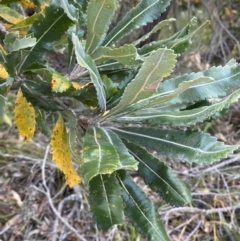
x=131 y=104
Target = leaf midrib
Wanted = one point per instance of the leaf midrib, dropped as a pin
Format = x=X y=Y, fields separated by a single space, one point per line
x=169 y=142
x=130 y=22
x=140 y=160
x=153 y=227
x=93 y=26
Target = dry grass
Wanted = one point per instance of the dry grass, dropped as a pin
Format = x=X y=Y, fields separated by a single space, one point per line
x=35 y=204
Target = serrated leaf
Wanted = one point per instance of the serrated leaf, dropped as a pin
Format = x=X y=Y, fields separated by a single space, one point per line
x=182 y=118
x=226 y=80
x=126 y=160
x=9 y=14
x=47 y=29
x=155 y=67
x=143 y=13
x=24 y=116
x=187 y=146
x=183 y=35
x=61 y=153
x=181 y=44
x=33 y=91
x=156 y=28
x=9 y=39
x=104 y=153
x=85 y=61
x=70 y=10
x=140 y=210
x=23 y=25
x=106 y=201
x=59 y=83
x=3 y=72
x=21 y=43
x=126 y=54
x=160 y=177
x=2 y=106
x=161 y=98
x=99 y=15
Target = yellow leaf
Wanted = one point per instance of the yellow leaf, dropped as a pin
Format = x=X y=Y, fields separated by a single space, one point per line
x=24 y=116
x=59 y=83
x=3 y=72
x=23 y=26
x=27 y=4
x=61 y=153
x=76 y=86
x=9 y=18
x=228 y=11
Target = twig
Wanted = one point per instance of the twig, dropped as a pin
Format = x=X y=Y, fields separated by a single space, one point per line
x=48 y=195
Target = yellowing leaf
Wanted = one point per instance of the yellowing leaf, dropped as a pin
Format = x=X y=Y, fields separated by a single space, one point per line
x=59 y=83
x=3 y=72
x=24 y=116
x=9 y=14
x=27 y=4
x=23 y=26
x=76 y=86
x=61 y=153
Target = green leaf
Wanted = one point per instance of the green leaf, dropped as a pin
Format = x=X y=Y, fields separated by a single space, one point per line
x=160 y=177
x=155 y=67
x=85 y=61
x=2 y=56
x=47 y=29
x=9 y=14
x=126 y=160
x=126 y=54
x=99 y=16
x=22 y=43
x=23 y=26
x=111 y=88
x=180 y=45
x=105 y=201
x=156 y=28
x=9 y=39
x=99 y=156
x=160 y=98
x=70 y=10
x=184 y=33
x=187 y=146
x=41 y=122
x=182 y=118
x=2 y=105
x=33 y=92
x=104 y=153
x=145 y=12
x=140 y=210
x=13 y=61
x=226 y=80
x=8 y=1
x=4 y=85
x=73 y=133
